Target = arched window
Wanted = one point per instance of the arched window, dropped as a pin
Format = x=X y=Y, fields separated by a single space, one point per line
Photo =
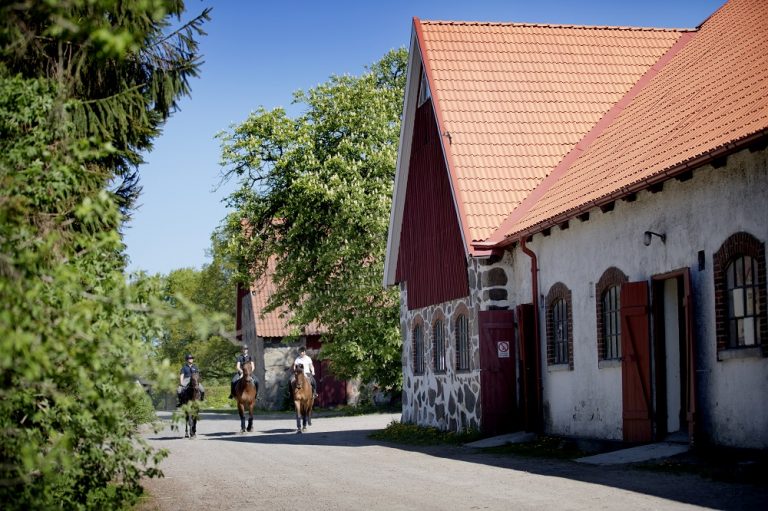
x=740 y=294
x=462 y=343
x=608 y=293
x=438 y=346
x=611 y=302
x=418 y=349
x=559 y=326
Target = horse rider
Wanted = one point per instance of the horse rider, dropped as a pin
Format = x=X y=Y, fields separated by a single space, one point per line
x=186 y=374
x=242 y=359
x=308 y=367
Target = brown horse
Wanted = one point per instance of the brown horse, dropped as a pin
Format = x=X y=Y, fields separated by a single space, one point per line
x=303 y=399
x=246 y=390
x=191 y=394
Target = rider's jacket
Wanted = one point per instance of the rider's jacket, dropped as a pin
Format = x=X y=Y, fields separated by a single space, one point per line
x=187 y=370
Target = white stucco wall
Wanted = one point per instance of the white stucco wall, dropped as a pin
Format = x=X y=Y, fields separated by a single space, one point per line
x=696 y=215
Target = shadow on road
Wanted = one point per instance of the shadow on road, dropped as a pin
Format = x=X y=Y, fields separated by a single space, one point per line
x=685 y=488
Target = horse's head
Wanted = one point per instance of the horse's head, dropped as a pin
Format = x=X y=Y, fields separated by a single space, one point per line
x=194 y=381
x=246 y=368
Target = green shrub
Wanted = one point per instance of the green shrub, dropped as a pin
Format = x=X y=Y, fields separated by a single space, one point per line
x=421 y=435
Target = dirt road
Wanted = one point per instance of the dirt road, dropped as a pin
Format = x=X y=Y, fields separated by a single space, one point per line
x=335 y=466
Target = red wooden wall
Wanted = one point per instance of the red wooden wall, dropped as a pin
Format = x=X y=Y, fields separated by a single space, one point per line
x=432 y=258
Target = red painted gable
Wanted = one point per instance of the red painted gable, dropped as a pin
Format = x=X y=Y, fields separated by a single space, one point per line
x=432 y=259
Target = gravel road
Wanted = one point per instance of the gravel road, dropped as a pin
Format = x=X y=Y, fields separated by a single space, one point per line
x=335 y=466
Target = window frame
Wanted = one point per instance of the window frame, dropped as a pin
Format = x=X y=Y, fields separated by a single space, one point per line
x=736 y=249
x=461 y=327
x=612 y=277
x=559 y=314
x=438 y=346
x=419 y=355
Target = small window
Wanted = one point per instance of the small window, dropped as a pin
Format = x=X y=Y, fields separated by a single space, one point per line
x=560 y=331
x=559 y=326
x=462 y=343
x=438 y=346
x=743 y=297
x=424 y=92
x=611 y=323
x=418 y=349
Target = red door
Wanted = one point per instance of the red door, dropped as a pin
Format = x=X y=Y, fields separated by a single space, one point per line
x=330 y=391
x=497 y=371
x=636 y=363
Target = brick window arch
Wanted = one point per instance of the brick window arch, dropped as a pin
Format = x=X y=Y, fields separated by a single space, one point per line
x=608 y=304
x=740 y=294
x=559 y=326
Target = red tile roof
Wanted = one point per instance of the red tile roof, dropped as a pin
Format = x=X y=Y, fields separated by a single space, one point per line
x=275 y=323
x=513 y=99
x=710 y=96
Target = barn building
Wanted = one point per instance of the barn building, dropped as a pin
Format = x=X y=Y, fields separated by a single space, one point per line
x=578 y=229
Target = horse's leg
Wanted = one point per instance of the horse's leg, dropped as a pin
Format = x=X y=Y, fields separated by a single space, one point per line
x=241 y=411
x=250 y=417
x=186 y=426
x=298 y=416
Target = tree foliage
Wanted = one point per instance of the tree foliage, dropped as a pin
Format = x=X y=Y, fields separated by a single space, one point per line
x=315 y=193
x=213 y=290
x=80 y=96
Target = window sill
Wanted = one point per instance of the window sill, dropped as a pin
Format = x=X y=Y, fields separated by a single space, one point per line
x=605 y=364
x=733 y=353
x=556 y=368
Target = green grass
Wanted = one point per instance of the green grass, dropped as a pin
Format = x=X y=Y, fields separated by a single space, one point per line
x=412 y=434
x=543 y=447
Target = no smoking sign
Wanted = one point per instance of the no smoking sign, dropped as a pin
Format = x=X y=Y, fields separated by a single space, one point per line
x=502 y=348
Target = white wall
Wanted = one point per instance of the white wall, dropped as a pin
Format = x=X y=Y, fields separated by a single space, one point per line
x=696 y=215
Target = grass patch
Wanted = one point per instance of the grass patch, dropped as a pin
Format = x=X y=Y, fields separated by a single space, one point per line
x=412 y=434
x=543 y=447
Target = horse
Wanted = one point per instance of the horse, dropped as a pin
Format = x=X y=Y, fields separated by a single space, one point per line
x=191 y=394
x=303 y=398
x=246 y=390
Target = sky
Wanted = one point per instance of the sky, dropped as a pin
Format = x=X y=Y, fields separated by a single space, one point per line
x=258 y=53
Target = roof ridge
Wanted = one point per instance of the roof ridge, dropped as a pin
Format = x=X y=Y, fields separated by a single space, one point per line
x=556 y=25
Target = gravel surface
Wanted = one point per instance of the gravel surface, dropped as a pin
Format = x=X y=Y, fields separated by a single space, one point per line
x=335 y=466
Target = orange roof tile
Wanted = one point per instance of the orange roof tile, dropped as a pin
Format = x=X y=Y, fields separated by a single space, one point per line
x=711 y=94
x=274 y=323
x=516 y=98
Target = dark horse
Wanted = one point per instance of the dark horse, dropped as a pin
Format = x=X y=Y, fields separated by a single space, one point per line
x=246 y=390
x=303 y=399
x=191 y=394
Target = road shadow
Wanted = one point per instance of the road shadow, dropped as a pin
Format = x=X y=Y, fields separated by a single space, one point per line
x=685 y=488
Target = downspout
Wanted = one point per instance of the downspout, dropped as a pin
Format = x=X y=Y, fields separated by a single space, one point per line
x=537 y=352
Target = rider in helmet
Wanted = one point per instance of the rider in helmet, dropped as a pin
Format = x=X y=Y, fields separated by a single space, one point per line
x=185 y=374
x=242 y=359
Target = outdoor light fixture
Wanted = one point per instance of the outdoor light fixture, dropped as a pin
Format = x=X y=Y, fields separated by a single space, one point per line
x=648 y=235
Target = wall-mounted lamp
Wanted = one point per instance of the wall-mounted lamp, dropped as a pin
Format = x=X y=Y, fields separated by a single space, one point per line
x=648 y=235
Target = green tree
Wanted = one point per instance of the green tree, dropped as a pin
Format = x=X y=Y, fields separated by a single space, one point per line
x=212 y=289
x=84 y=86
x=315 y=193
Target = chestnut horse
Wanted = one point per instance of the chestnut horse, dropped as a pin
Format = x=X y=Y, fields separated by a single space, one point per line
x=303 y=399
x=191 y=394
x=246 y=390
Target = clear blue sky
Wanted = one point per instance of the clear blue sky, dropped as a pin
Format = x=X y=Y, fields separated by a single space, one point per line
x=257 y=53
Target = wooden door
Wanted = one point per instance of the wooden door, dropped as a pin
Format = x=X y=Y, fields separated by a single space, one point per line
x=330 y=391
x=530 y=396
x=497 y=371
x=636 y=363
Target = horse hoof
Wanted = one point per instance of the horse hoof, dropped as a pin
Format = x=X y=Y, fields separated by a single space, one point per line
x=298 y=431
x=242 y=431
x=186 y=436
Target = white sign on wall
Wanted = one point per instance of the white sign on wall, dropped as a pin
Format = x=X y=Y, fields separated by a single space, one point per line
x=502 y=348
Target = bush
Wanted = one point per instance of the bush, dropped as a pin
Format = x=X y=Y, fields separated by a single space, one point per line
x=421 y=435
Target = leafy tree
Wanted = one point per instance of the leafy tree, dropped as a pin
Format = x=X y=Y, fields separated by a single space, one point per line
x=315 y=193
x=212 y=289
x=84 y=86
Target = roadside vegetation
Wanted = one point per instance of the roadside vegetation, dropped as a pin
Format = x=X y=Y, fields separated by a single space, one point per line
x=411 y=434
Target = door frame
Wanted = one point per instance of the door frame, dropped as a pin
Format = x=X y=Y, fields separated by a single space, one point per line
x=687 y=353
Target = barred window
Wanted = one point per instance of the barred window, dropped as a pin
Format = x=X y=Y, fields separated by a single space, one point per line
x=743 y=297
x=462 y=343
x=560 y=331
x=418 y=349
x=438 y=346
x=612 y=323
